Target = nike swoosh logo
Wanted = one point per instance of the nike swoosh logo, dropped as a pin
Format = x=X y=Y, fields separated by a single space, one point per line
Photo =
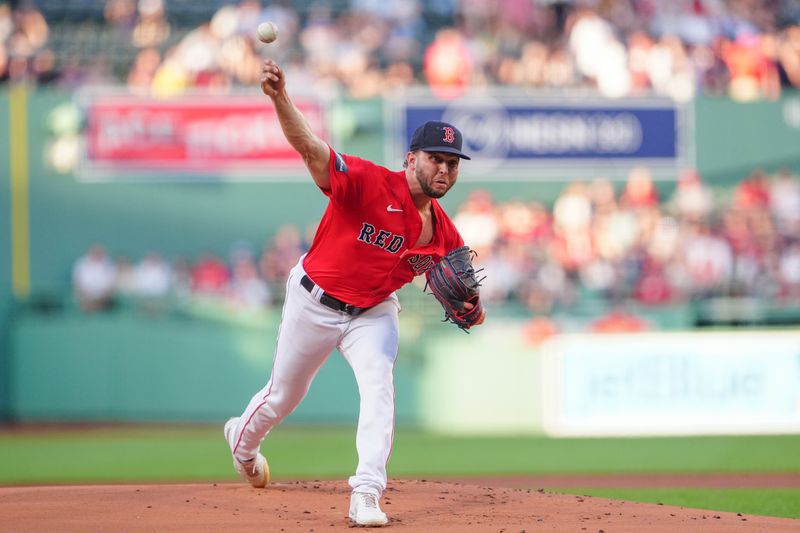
x=392 y=209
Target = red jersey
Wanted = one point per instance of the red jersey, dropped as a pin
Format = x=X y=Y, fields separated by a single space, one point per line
x=363 y=249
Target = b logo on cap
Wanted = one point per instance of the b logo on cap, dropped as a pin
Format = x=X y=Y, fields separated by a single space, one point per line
x=449 y=135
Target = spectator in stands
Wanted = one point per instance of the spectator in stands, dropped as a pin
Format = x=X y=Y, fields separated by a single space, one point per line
x=692 y=200
x=753 y=73
x=368 y=48
x=707 y=260
x=784 y=202
x=600 y=276
x=640 y=49
x=198 y=53
x=614 y=233
x=548 y=287
x=94 y=278
x=210 y=276
x=32 y=26
x=640 y=190
x=671 y=70
x=4 y=63
x=662 y=244
x=600 y=58
x=153 y=277
x=248 y=292
x=171 y=77
x=789 y=271
x=508 y=265
x=279 y=256
x=572 y=246
x=752 y=193
x=19 y=54
x=143 y=72
x=653 y=286
x=448 y=64
x=525 y=223
x=152 y=27
x=477 y=222
x=748 y=256
x=6 y=22
x=789 y=57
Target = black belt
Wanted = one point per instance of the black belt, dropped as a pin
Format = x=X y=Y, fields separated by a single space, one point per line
x=330 y=301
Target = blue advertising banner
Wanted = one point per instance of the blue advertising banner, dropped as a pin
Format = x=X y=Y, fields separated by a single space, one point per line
x=513 y=133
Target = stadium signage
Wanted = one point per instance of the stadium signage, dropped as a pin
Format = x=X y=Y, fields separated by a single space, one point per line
x=513 y=135
x=672 y=384
x=190 y=137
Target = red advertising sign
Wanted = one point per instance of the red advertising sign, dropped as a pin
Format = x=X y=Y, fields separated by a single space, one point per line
x=193 y=134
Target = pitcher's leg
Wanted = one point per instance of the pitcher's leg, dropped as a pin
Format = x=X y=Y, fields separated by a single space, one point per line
x=307 y=335
x=370 y=346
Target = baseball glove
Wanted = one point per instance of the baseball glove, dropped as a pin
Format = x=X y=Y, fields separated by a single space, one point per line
x=454 y=281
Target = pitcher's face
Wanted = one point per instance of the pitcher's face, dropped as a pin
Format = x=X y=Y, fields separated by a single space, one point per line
x=436 y=172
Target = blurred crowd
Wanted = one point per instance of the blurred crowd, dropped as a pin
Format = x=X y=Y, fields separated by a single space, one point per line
x=594 y=242
x=626 y=245
x=244 y=281
x=746 y=49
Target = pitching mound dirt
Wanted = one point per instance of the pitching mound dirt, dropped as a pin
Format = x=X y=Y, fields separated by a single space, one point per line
x=413 y=506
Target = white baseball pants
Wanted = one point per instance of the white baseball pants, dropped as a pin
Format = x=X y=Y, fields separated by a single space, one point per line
x=309 y=331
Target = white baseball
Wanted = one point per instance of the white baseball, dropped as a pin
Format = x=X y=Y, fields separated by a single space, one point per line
x=267 y=32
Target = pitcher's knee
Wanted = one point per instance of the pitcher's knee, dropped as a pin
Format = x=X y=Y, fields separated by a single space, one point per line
x=279 y=406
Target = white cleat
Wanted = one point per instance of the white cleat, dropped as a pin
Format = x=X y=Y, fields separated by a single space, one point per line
x=365 y=511
x=255 y=471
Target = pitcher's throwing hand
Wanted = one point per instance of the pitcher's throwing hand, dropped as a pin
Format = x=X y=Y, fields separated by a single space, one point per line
x=272 y=80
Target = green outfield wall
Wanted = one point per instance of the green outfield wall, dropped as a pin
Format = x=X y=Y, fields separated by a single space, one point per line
x=125 y=366
x=732 y=138
x=133 y=367
x=6 y=298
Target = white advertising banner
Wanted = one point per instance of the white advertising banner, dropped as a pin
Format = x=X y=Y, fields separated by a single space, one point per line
x=672 y=384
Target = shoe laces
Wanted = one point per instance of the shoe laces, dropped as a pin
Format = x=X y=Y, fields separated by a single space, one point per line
x=249 y=467
x=369 y=500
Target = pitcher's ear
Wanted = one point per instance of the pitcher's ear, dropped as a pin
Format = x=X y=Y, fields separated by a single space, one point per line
x=410 y=161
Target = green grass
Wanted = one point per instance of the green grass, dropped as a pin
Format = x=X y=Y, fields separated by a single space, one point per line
x=771 y=502
x=200 y=453
x=160 y=454
x=419 y=454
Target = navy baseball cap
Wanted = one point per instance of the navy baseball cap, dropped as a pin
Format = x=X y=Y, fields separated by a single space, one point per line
x=434 y=136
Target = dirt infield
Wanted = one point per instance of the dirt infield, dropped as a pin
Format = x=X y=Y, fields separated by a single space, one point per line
x=320 y=506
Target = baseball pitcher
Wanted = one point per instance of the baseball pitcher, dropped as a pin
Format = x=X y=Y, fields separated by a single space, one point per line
x=380 y=229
